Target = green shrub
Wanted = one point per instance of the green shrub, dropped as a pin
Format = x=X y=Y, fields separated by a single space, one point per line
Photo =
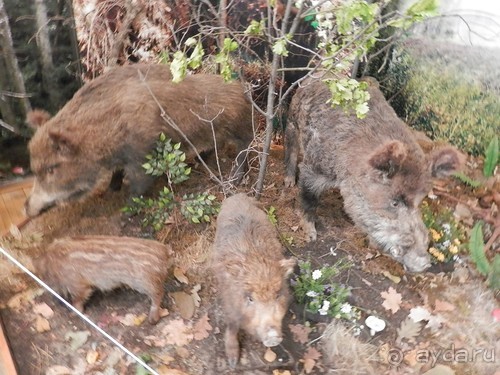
x=440 y=99
x=168 y=159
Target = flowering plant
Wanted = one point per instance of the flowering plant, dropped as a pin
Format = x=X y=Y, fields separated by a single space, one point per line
x=446 y=234
x=321 y=295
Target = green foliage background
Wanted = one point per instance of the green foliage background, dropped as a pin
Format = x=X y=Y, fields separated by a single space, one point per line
x=447 y=93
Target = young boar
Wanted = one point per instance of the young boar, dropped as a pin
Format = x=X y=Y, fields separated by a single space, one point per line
x=75 y=266
x=112 y=122
x=381 y=171
x=252 y=274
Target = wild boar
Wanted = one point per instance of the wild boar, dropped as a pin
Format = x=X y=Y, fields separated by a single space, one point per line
x=375 y=162
x=75 y=266
x=112 y=122
x=251 y=272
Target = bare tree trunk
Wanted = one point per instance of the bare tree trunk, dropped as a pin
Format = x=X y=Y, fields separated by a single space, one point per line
x=43 y=42
x=132 y=9
x=74 y=41
x=5 y=109
x=11 y=64
x=271 y=95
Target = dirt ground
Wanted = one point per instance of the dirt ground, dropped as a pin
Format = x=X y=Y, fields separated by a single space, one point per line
x=47 y=338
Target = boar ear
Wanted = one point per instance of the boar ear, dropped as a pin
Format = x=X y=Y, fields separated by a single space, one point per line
x=62 y=143
x=388 y=158
x=37 y=118
x=444 y=161
x=288 y=265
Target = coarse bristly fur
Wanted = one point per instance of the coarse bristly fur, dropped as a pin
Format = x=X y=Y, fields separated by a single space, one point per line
x=251 y=271
x=375 y=162
x=75 y=266
x=112 y=122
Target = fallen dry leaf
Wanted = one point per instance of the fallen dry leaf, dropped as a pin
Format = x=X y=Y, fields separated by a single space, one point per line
x=435 y=322
x=131 y=320
x=177 y=333
x=164 y=370
x=309 y=359
x=201 y=328
x=408 y=330
x=77 y=338
x=395 y=279
x=42 y=324
x=184 y=303
x=443 y=306
x=20 y=299
x=44 y=310
x=156 y=341
x=419 y=313
x=392 y=300
x=383 y=353
x=195 y=295
x=58 y=370
x=300 y=333
x=92 y=356
x=269 y=355
x=180 y=275
x=281 y=372
x=440 y=370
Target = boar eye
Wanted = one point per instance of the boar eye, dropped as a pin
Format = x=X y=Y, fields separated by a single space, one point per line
x=50 y=170
x=398 y=202
x=249 y=299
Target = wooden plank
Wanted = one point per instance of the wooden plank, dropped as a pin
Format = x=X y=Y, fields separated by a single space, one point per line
x=4 y=217
x=16 y=185
x=7 y=366
x=14 y=200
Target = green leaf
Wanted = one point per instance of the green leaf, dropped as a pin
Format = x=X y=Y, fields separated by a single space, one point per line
x=491 y=157
x=423 y=8
x=178 y=67
x=494 y=276
x=476 y=249
x=230 y=45
x=466 y=179
x=255 y=28
x=194 y=219
x=206 y=218
x=196 y=57
x=279 y=47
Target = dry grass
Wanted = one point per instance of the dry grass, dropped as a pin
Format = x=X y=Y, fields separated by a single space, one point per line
x=345 y=353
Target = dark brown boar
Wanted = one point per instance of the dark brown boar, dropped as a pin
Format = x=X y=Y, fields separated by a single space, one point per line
x=251 y=272
x=75 y=266
x=381 y=171
x=112 y=122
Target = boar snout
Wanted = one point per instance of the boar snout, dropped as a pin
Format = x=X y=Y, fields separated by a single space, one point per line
x=414 y=262
x=273 y=337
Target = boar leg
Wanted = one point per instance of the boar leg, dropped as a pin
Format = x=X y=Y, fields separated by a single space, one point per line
x=291 y=154
x=139 y=182
x=154 y=312
x=79 y=296
x=231 y=344
x=309 y=201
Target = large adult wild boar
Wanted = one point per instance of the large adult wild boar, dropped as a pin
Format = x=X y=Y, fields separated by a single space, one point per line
x=381 y=171
x=112 y=122
x=251 y=272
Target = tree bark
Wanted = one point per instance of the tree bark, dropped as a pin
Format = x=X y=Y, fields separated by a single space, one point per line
x=43 y=43
x=12 y=66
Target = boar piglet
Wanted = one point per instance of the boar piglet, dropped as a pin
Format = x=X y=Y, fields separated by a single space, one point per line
x=75 y=266
x=113 y=122
x=252 y=274
x=375 y=162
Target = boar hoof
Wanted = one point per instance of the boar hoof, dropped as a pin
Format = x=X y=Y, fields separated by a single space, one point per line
x=154 y=317
x=310 y=229
x=289 y=181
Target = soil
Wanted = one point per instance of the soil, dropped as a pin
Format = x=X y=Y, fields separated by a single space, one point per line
x=178 y=345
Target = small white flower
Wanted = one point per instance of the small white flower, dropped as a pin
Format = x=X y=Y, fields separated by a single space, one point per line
x=346 y=308
x=324 y=308
x=312 y=294
x=316 y=274
x=446 y=228
x=432 y=196
x=446 y=244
